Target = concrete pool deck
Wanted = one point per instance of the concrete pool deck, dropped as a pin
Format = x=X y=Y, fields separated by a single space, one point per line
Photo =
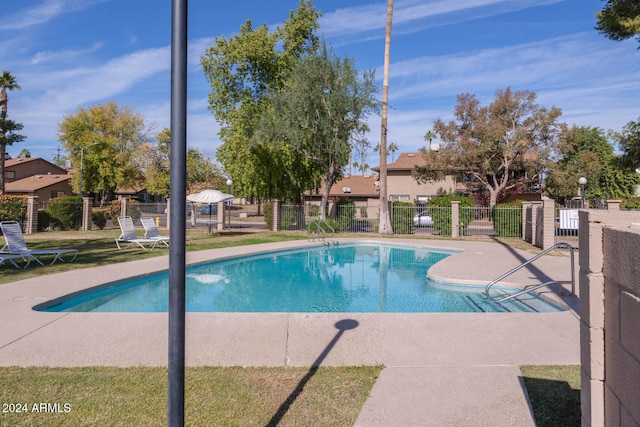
x=440 y=368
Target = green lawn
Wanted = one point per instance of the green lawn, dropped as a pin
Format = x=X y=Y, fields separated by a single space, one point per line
x=554 y=393
x=107 y=396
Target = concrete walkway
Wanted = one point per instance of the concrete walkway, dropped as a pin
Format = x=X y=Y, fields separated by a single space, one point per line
x=458 y=369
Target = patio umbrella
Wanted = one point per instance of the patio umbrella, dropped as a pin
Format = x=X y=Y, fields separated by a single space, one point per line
x=209 y=197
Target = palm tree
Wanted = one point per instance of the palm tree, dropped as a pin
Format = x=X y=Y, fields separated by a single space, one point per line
x=385 y=219
x=429 y=136
x=393 y=147
x=7 y=83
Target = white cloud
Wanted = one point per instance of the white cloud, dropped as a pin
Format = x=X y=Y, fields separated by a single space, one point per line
x=62 y=55
x=44 y=12
x=415 y=15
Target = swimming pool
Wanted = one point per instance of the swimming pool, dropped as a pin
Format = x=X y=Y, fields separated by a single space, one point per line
x=354 y=277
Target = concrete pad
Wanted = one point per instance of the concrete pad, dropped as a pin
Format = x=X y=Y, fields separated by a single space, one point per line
x=440 y=396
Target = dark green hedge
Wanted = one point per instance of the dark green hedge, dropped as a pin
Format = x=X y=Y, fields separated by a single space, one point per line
x=442 y=216
x=13 y=208
x=507 y=219
x=402 y=218
x=65 y=213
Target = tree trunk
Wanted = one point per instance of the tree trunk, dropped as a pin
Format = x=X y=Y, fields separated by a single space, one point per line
x=3 y=151
x=385 y=220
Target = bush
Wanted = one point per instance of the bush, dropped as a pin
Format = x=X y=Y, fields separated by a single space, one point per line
x=313 y=226
x=13 y=208
x=44 y=219
x=631 y=203
x=346 y=210
x=99 y=218
x=442 y=217
x=115 y=208
x=507 y=219
x=268 y=214
x=66 y=212
x=402 y=218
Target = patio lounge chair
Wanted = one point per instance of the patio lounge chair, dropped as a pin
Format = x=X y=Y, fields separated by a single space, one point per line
x=151 y=231
x=15 y=244
x=129 y=236
x=10 y=257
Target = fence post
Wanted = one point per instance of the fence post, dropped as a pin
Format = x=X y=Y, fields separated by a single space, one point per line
x=123 y=206
x=87 y=211
x=275 y=215
x=31 y=223
x=221 y=215
x=548 y=223
x=526 y=210
x=455 y=218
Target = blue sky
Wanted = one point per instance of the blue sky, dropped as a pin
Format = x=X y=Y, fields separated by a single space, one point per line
x=71 y=53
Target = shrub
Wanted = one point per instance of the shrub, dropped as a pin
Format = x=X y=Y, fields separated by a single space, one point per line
x=313 y=226
x=44 y=220
x=268 y=214
x=115 y=208
x=442 y=217
x=346 y=210
x=507 y=219
x=402 y=218
x=99 y=218
x=631 y=203
x=66 y=212
x=13 y=208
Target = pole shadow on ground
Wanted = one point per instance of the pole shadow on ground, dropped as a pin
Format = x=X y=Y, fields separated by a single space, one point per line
x=342 y=326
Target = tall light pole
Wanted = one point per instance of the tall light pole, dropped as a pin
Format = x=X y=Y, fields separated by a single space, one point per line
x=229 y=182
x=582 y=181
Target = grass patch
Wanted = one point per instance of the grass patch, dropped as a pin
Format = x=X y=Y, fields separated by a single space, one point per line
x=554 y=393
x=219 y=396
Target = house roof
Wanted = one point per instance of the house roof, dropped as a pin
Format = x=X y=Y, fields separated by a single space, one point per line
x=35 y=182
x=357 y=185
x=24 y=160
x=405 y=161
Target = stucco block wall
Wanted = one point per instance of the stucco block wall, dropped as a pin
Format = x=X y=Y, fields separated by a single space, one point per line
x=622 y=326
x=609 y=280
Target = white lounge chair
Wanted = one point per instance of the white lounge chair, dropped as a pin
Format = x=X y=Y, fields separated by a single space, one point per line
x=130 y=237
x=151 y=231
x=10 y=257
x=15 y=244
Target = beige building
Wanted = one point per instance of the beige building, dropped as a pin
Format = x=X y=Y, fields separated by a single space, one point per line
x=402 y=186
x=36 y=177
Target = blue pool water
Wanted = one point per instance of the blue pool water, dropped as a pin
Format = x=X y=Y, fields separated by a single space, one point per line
x=365 y=277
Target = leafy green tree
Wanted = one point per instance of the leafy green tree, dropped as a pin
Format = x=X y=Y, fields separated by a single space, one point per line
x=499 y=145
x=105 y=142
x=242 y=71
x=629 y=143
x=8 y=128
x=586 y=152
x=202 y=173
x=322 y=104
x=620 y=19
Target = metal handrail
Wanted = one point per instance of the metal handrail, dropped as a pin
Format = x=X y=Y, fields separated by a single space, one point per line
x=561 y=245
x=321 y=231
